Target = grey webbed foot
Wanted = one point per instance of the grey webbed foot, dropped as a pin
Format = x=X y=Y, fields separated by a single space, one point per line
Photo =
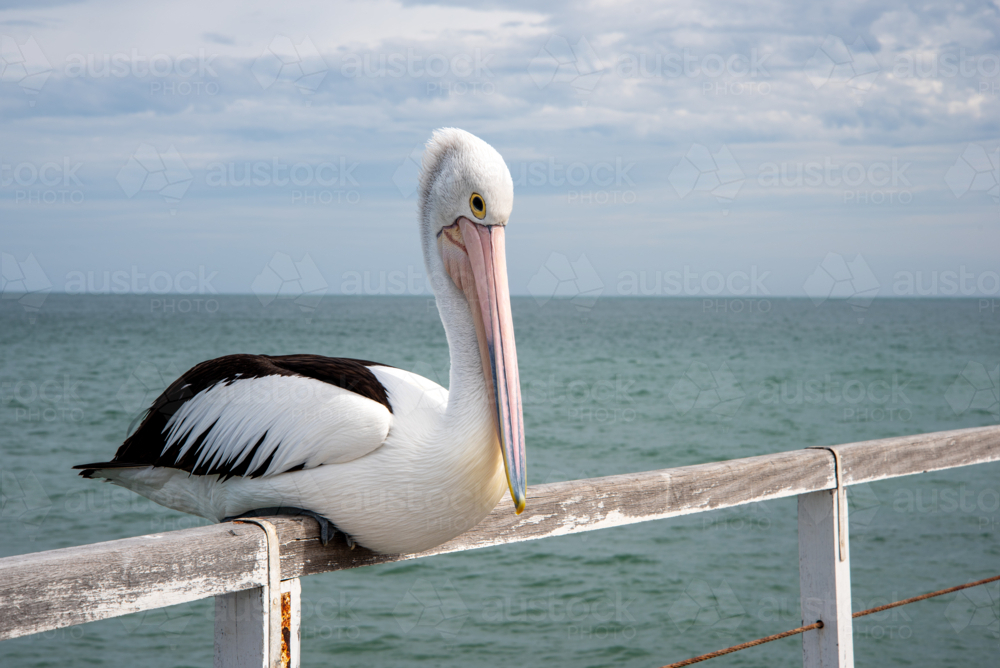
x=327 y=529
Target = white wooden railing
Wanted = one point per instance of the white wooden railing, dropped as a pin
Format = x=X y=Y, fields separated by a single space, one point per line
x=252 y=569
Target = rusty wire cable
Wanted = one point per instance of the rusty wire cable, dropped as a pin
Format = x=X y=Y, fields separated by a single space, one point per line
x=819 y=624
x=752 y=643
x=923 y=596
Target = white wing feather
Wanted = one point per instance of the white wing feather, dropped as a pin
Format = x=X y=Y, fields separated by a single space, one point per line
x=302 y=421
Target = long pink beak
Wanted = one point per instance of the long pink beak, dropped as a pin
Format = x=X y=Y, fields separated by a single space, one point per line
x=487 y=255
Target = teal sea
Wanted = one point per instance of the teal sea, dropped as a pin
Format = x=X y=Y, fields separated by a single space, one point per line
x=629 y=385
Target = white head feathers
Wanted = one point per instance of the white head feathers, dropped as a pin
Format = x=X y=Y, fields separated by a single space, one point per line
x=456 y=165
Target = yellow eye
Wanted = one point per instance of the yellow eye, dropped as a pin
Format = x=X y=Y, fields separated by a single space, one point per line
x=478 y=206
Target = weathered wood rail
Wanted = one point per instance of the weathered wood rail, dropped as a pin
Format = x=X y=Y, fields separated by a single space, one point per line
x=58 y=588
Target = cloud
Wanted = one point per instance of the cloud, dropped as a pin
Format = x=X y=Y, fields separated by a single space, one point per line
x=640 y=83
x=216 y=38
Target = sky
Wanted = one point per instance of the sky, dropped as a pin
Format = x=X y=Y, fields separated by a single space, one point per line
x=712 y=149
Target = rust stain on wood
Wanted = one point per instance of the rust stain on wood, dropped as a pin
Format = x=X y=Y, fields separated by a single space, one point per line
x=286 y=630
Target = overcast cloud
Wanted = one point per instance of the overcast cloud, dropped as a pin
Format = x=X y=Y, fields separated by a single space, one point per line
x=753 y=141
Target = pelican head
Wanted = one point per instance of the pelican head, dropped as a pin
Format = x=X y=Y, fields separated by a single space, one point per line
x=466 y=196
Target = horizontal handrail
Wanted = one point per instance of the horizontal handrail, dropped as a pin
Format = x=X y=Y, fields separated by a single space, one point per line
x=49 y=590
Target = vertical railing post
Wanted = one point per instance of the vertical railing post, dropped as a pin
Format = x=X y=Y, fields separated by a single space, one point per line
x=241 y=629
x=259 y=627
x=825 y=580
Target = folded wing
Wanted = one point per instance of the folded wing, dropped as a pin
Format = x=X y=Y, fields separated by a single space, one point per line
x=255 y=415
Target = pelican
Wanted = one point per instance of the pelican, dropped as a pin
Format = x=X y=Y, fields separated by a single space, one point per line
x=390 y=459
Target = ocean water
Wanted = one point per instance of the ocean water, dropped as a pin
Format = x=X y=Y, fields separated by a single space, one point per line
x=629 y=385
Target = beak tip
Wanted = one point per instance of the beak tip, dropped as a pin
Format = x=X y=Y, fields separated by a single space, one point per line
x=519 y=506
